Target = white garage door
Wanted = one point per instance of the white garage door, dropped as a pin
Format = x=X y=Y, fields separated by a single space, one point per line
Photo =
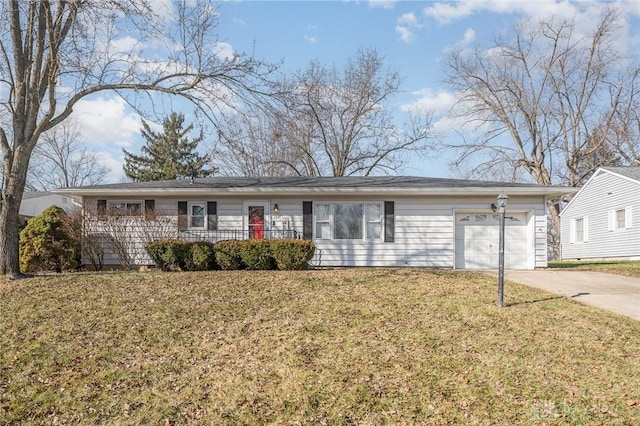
x=478 y=236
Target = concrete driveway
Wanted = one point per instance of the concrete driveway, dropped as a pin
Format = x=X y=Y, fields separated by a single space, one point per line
x=607 y=291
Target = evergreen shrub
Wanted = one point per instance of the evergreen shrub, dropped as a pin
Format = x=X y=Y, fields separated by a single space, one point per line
x=227 y=254
x=292 y=255
x=168 y=255
x=256 y=254
x=200 y=256
x=48 y=243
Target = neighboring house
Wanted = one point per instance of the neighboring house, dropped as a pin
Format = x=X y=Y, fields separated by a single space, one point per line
x=354 y=221
x=34 y=203
x=603 y=219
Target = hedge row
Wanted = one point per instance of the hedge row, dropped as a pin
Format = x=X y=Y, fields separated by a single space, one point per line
x=176 y=255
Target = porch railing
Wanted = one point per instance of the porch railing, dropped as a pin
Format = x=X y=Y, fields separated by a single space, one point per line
x=239 y=234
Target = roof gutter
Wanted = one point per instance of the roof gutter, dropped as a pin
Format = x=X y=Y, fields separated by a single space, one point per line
x=548 y=191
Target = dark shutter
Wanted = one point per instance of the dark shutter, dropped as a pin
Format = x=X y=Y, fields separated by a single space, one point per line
x=102 y=208
x=149 y=209
x=389 y=221
x=212 y=216
x=307 y=220
x=182 y=215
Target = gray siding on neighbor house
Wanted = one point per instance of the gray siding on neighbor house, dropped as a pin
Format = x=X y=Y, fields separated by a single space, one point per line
x=424 y=231
x=603 y=193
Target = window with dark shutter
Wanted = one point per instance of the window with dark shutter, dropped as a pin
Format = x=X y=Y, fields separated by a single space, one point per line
x=149 y=209
x=389 y=222
x=212 y=216
x=307 y=220
x=182 y=215
x=102 y=209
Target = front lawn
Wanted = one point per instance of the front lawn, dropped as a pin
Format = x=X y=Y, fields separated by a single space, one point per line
x=351 y=346
x=629 y=268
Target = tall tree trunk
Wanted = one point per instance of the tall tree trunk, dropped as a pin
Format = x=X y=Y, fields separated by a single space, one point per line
x=9 y=217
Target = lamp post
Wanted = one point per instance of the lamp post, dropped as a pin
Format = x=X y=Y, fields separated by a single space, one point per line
x=502 y=205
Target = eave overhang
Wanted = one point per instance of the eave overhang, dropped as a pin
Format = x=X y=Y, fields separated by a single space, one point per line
x=547 y=191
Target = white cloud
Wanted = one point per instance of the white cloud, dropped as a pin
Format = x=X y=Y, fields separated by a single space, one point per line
x=385 y=4
x=469 y=36
x=114 y=166
x=223 y=50
x=106 y=121
x=311 y=39
x=239 y=21
x=408 y=19
x=407 y=23
x=405 y=34
x=446 y=13
x=428 y=102
x=438 y=105
x=124 y=45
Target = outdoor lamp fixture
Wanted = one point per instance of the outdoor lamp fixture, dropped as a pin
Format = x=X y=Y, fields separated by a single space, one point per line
x=502 y=205
x=275 y=209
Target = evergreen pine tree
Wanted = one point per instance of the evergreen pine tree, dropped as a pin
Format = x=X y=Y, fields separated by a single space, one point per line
x=167 y=155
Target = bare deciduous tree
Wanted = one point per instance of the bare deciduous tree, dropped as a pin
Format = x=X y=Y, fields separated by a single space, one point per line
x=60 y=161
x=56 y=53
x=539 y=97
x=329 y=122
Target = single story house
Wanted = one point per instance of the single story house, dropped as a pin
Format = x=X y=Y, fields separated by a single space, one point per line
x=353 y=221
x=34 y=203
x=603 y=218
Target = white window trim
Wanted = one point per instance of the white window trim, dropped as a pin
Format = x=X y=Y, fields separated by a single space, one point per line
x=110 y=208
x=613 y=220
x=189 y=215
x=573 y=228
x=365 y=220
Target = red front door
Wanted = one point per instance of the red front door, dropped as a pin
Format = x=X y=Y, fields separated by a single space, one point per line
x=256 y=222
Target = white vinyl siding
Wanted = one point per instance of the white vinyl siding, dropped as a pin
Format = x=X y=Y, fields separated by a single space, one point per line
x=612 y=204
x=424 y=230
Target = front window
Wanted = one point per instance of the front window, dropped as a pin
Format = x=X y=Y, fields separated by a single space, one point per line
x=323 y=225
x=197 y=213
x=125 y=208
x=348 y=221
x=374 y=221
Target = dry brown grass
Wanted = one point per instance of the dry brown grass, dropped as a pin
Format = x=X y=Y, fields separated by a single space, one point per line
x=366 y=346
x=629 y=268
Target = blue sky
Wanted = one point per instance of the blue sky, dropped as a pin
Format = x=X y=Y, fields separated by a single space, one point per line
x=412 y=36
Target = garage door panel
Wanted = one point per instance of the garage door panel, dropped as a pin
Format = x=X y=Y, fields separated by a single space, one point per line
x=477 y=240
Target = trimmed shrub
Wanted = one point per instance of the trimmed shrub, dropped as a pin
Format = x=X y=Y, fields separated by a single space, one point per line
x=227 y=254
x=292 y=255
x=200 y=256
x=48 y=243
x=257 y=255
x=168 y=255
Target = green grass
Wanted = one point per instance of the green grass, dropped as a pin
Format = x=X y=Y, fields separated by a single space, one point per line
x=365 y=346
x=629 y=268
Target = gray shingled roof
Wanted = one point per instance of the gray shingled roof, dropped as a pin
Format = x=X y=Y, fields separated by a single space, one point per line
x=352 y=182
x=630 y=172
